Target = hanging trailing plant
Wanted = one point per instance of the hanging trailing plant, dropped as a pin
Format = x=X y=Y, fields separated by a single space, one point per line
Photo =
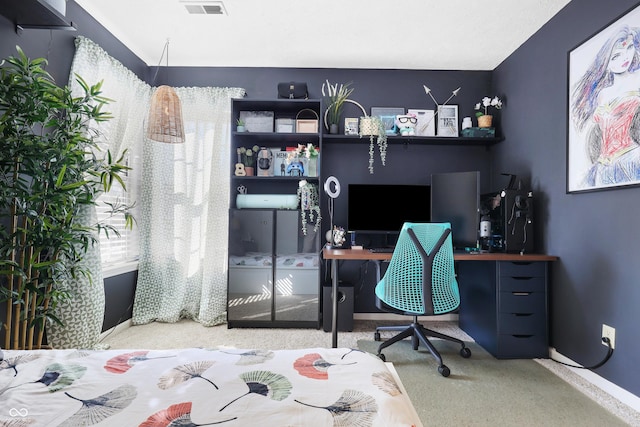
x=309 y=203
x=50 y=169
x=377 y=134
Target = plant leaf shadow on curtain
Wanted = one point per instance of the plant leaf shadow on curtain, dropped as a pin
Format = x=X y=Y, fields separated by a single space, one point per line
x=184 y=215
x=83 y=315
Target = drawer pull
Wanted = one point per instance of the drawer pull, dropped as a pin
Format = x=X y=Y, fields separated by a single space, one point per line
x=521 y=294
x=522 y=314
x=522 y=336
x=522 y=277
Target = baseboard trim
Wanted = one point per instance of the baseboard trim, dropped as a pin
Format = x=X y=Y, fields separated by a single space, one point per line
x=607 y=386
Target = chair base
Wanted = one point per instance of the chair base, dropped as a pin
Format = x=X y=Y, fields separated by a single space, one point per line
x=419 y=334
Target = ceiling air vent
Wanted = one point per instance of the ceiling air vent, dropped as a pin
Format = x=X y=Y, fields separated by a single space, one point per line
x=205 y=7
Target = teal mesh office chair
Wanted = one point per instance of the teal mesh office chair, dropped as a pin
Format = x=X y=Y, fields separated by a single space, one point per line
x=420 y=280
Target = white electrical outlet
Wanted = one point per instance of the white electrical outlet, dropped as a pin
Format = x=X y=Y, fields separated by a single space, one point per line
x=609 y=332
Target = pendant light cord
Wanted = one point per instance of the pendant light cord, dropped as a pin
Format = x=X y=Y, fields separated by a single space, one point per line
x=165 y=50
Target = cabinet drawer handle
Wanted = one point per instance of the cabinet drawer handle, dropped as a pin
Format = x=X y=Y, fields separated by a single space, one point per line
x=522 y=314
x=521 y=277
x=521 y=294
x=522 y=336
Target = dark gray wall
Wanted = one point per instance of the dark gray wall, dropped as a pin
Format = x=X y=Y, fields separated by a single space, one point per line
x=57 y=46
x=595 y=234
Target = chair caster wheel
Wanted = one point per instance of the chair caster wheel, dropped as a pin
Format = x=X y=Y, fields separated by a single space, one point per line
x=376 y=336
x=444 y=370
x=465 y=352
x=381 y=356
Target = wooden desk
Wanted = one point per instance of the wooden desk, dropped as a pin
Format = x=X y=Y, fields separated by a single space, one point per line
x=336 y=255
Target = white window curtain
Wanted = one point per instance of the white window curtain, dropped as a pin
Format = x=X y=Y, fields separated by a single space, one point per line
x=83 y=316
x=190 y=280
x=184 y=215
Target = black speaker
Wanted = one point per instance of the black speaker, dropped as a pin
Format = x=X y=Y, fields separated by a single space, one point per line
x=511 y=215
x=345 y=308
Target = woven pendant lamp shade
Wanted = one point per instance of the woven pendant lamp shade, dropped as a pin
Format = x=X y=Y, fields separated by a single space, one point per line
x=165 y=117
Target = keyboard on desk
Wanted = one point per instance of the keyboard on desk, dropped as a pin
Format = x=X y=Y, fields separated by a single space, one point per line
x=385 y=250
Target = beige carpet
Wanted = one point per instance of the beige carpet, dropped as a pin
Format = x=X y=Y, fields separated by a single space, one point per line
x=479 y=392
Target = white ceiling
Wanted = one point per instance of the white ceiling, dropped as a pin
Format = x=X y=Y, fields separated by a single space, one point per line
x=406 y=34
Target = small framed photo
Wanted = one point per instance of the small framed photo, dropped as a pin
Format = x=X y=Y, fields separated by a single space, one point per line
x=351 y=126
x=448 y=120
x=388 y=117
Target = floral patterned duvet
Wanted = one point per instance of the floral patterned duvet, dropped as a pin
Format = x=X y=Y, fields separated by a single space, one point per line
x=192 y=387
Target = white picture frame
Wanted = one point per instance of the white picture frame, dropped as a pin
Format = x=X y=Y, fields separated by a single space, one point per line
x=448 y=121
x=426 y=125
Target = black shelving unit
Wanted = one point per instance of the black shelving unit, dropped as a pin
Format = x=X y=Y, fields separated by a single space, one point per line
x=34 y=14
x=283 y=290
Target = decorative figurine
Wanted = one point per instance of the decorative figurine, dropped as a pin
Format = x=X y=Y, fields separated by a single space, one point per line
x=405 y=124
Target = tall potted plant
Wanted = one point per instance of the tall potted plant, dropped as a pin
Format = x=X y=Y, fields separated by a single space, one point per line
x=51 y=168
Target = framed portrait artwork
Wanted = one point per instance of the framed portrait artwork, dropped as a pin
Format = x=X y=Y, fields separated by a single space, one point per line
x=603 y=141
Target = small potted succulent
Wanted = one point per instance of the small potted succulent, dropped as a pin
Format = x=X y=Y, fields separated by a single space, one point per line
x=240 y=125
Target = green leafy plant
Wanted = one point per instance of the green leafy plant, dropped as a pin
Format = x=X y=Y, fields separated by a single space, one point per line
x=51 y=170
x=240 y=122
x=335 y=96
x=309 y=202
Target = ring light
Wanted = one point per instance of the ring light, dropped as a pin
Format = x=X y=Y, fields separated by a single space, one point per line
x=335 y=192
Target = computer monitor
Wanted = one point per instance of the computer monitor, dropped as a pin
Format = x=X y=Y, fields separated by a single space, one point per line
x=455 y=198
x=383 y=208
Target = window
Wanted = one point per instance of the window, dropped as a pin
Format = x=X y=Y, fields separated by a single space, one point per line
x=121 y=249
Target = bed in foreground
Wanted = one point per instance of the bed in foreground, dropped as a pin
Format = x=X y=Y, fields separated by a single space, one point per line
x=190 y=387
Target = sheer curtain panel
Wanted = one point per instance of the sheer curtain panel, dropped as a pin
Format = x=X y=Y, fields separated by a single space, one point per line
x=83 y=315
x=184 y=215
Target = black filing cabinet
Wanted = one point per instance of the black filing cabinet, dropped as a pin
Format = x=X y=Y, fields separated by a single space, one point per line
x=504 y=307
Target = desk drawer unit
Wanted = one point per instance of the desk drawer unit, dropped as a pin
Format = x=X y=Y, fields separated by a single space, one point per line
x=522 y=310
x=504 y=307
